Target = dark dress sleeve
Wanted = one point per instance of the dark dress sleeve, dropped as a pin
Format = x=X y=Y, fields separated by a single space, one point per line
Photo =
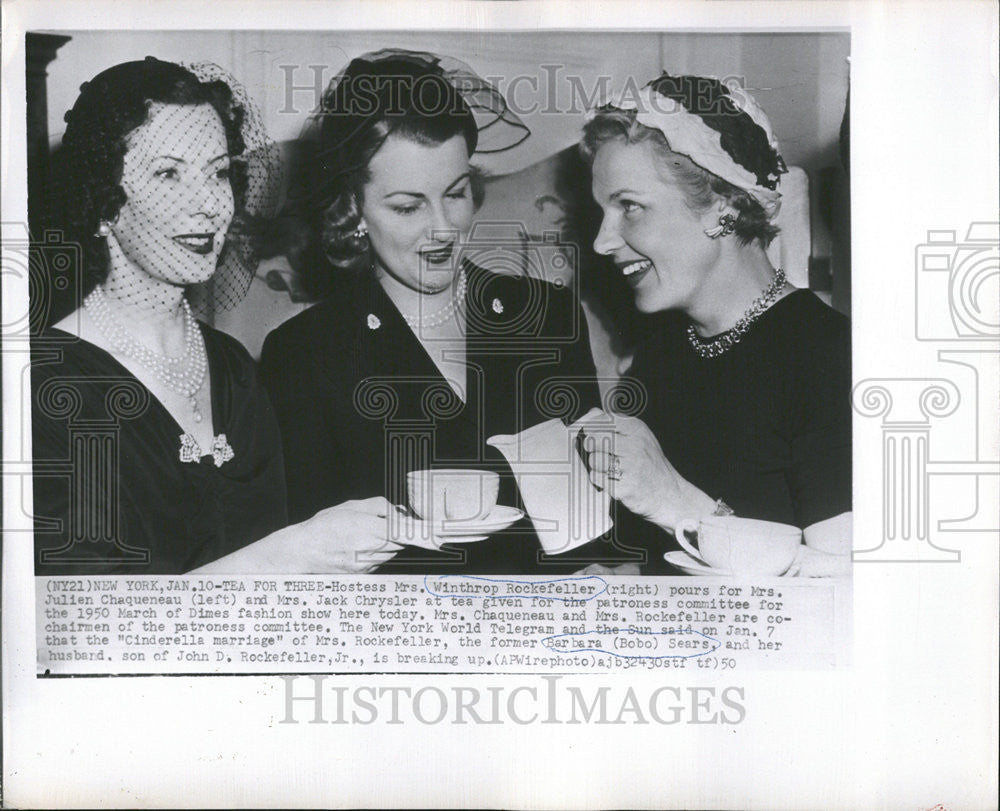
x=335 y=450
x=108 y=476
x=295 y=383
x=254 y=495
x=819 y=477
x=577 y=362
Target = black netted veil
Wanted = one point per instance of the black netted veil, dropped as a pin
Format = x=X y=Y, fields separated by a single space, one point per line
x=90 y=185
x=499 y=128
x=260 y=174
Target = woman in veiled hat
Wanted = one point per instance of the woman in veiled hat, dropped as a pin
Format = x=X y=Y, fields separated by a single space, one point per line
x=155 y=448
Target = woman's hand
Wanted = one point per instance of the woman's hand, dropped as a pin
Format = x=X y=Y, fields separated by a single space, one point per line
x=625 y=458
x=349 y=538
x=600 y=570
x=811 y=562
x=827 y=551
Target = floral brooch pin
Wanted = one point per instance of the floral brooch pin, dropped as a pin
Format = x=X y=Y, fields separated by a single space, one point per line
x=190 y=450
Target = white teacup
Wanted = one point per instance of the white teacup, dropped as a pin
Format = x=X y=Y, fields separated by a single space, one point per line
x=742 y=546
x=452 y=494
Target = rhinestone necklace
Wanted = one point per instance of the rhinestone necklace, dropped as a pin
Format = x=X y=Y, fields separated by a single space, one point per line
x=442 y=315
x=184 y=374
x=731 y=337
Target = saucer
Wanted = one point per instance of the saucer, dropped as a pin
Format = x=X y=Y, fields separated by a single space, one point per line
x=432 y=534
x=500 y=517
x=420 y=534
x=680 y=559
x=689 y=565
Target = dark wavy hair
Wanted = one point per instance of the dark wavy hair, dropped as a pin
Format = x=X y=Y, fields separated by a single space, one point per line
x=110 y=107
x=741 y=137
x=370 y=101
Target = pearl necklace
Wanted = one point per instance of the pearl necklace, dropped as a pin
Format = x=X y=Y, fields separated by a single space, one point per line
x=442 y=315
x=731 y=337
x=184 y=374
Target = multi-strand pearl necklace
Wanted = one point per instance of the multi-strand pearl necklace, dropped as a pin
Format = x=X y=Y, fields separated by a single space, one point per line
x=442 y=315
x=731 y=337
x=184 y=374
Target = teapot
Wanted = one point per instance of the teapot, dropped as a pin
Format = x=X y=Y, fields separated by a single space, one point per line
x=565 y=507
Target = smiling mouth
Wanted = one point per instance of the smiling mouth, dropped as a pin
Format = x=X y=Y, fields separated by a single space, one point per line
x=439 y=256
x=197 y=243
x=633 y=271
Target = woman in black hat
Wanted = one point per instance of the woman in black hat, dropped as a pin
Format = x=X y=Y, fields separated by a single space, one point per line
x=417 y=355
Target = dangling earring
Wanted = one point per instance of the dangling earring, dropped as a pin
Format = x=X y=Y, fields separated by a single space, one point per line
x=360 y=232
x=726 y=226
x=103 y=229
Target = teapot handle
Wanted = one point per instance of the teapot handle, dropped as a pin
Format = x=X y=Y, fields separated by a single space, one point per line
x=683 y=527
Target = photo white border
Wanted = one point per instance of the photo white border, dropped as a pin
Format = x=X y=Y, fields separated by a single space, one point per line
x=912 y=724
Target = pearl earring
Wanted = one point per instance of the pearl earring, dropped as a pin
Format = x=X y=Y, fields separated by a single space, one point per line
x=103 y=229
x=360 y=232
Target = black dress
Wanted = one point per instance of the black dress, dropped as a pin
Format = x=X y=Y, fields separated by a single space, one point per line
x=766 y=426
x=353 y=389
x=100 y=438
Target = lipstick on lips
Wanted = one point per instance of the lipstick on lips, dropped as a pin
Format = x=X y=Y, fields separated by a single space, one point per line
x=439 y=256
x=634 y=269
x=201 y=243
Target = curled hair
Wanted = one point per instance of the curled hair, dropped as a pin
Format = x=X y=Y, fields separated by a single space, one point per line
x=370 y=101
x=108 y=110
x=742 y=139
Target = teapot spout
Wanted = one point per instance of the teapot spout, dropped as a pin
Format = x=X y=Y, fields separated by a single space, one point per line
x=501 y=441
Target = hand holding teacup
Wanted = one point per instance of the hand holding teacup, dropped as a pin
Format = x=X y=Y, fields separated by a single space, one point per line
x=349 y=538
